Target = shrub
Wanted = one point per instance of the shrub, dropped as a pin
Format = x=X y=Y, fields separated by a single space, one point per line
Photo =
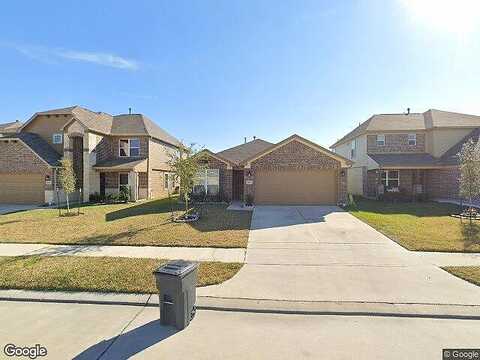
x=96 y=198
x=124 y=194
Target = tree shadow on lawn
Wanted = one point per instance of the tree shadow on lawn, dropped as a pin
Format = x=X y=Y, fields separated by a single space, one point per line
x=470 y=234
x=160 y=206
x=417 y=209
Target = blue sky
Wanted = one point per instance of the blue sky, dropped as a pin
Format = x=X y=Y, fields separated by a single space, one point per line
x=213 y=72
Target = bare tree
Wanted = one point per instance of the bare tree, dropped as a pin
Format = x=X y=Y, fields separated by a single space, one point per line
x=470 y=170
x=67 y=179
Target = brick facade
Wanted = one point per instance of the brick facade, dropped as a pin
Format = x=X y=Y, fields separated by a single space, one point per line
x=296 y=156
x=17 y=158
x=108 y=147
x=395 y=143
x=225 y=177
x=443 y=183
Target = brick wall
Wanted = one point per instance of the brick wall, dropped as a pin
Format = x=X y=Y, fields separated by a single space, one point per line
x=77 y=160
x=443 y=183
x=108 y=147
x=143 y=180
x=17 y=158
x=297 y=156
x=225 y=177
x=342 y=185
x=396 y=143
x=111 y=180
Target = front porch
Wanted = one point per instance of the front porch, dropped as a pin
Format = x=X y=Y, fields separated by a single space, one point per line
x=412 y=183
x=116 y=174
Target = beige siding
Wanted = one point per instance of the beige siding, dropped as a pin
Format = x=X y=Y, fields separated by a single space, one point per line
x=45 y=126
x=444 y=139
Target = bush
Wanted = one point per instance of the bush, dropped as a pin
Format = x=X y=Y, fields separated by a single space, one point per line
x=124 y=194
x=96 y=198
x=249 y=200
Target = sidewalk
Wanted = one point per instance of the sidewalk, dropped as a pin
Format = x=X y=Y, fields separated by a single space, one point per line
x=449 y=259
x=149 y=252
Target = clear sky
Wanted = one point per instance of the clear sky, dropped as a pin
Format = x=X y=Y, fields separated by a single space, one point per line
x=213 y=72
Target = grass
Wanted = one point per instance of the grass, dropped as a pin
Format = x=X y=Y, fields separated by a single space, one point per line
x=145 y=223
x=421 y=226
x=468 y=273
x=103 y=274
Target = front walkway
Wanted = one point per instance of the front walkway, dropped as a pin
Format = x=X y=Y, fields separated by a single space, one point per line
x=318 y=253
x=11 y=208
x=151 y=252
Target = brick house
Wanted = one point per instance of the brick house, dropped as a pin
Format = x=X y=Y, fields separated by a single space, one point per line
x=107 y=152
x=413 y=153
x=293 y=171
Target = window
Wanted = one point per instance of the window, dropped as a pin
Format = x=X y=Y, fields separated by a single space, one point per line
x=391 y=179
x=353 y=151
x=129 y=147
x=207 y=181
x=57 y=138
x=166 y=180
x=412 y=139
x=122 y=180
x=380 y=140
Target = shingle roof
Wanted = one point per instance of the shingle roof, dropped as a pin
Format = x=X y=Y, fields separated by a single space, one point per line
x=135 y=124
x=402 y=160
x=10 y=127
x=119 y=162
x=38 y=145
x=239 y=153
x=140 y=125
x=414 y=121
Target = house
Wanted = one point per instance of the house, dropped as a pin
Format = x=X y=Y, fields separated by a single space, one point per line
x=412 y=153
x=9 y=128
x=107 y=152
x=292 y=171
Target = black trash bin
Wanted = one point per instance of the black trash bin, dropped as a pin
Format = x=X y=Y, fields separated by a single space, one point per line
x=176 y=284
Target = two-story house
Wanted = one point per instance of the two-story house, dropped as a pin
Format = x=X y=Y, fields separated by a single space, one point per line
x=107 y=152
x=414 y=153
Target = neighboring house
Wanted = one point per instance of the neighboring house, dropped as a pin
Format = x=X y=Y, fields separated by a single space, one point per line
x=9 y=128
x=293 y=171
x=107 y=152
x=413 y=153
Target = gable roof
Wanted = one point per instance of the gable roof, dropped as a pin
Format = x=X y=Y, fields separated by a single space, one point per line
x=343 y=160
x=240 y=153
x=38 y=146
x=10 y=127
x=430 y=119
x=106 y=124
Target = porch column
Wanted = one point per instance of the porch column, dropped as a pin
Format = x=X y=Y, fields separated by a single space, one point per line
x=133 y=183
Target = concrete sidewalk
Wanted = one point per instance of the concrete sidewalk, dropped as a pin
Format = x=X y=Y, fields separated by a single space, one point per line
x=449 y=259
x=151 y=252
x=122 y=332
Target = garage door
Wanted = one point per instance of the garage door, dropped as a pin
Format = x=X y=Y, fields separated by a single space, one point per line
x=22 y=189
x=296 y=187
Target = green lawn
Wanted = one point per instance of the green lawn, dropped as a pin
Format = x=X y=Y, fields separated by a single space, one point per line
x=102 y=274
x=468 y=273
x=144 y=223
x=422 y=226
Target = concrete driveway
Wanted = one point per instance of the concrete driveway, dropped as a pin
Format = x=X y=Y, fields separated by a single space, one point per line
x=321 y=253
x=10 y=208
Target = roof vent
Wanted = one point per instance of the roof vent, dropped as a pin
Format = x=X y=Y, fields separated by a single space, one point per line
x=408 y=111
x=245 y=140
x=129 y=111
x=254 y=137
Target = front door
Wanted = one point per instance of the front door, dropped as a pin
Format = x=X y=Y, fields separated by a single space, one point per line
x=237 y=185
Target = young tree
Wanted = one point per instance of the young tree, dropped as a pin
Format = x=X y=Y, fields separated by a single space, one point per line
x=470 y=170
x=66 y=177
x=185 y=163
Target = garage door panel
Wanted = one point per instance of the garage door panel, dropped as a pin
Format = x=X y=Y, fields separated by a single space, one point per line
x=22 y=189
x=296 y=187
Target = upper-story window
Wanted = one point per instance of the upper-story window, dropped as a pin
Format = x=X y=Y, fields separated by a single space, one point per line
x=57 y=138
x=129 y=147
x=380 y=140
x=412 y=139
x=353 y=150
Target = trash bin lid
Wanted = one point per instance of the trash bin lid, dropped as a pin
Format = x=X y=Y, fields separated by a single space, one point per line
x=176 y=268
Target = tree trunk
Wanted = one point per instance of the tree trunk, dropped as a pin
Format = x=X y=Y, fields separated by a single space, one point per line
x=68 y=205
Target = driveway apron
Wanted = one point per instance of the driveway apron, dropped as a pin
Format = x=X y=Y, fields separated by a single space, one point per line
x=322 y=253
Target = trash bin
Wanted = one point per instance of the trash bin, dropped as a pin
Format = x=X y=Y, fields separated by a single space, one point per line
x=176 y=284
